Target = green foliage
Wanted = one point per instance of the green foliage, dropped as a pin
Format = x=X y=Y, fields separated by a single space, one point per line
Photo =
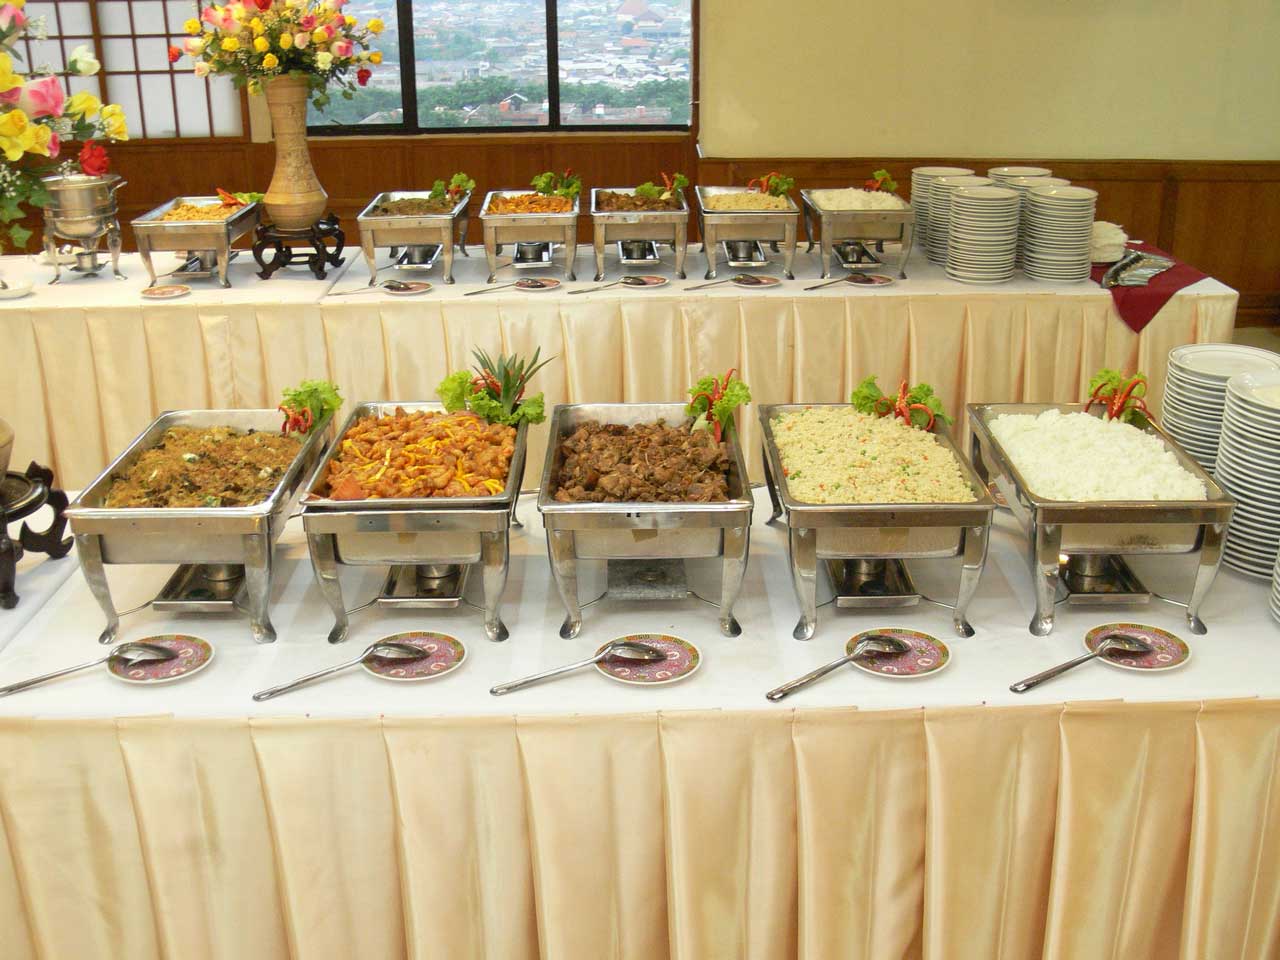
x=867 y=397
x=454 y=390
x=1108 y=385
x=923 y=393
x=496 y=392
x=567 y=184
x=319 y=396
x=734 y=394
x=649 y=190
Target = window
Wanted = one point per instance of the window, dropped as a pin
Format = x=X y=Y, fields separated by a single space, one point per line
x=131 y=38
x=492 y=65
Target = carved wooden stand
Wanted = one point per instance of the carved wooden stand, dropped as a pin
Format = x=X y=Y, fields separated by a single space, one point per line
x=313 y=240
x=22 y=494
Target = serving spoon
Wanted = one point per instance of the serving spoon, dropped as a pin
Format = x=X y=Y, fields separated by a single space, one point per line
x=396 y=285
x=1112 y=641
x=529 y=283
x=875 y=644
x=387 y=649
x=126 y=654
x=627 y=281
x=622 y=649
x=742 y=279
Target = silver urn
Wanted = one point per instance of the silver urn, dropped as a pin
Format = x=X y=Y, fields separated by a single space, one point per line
x=82 y=209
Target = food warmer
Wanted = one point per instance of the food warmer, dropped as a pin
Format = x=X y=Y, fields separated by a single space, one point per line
x=638 y=232
x=846 y=233
x=416 y=240
x=1081 y=545
x=863 y=546
x=742 y=230
x=83 y=209
x=223 y=553
x=207 y=243
x=430 y=544
x=533 y=234
x=644 y=545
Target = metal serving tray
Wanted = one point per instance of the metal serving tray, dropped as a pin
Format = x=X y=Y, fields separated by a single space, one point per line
x=863 y=225
x=659 y=226
x=875 y=531
x=1060 y=529
x=216 y=236
x=641 y=531
x=191 y=535
x=437 y=229
x=410 y=531
x=771 y=225
x=501 y=228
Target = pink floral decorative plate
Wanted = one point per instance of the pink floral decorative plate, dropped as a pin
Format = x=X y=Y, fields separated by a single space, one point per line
x=682 y=660
x=411 y=288
x=927 y=655
x=537 y=284
x=167 y=291
x=194 y=654
x=650 y=280
x=1170 y=650
x=869 y=279
x=446 y=654
x=756 y=281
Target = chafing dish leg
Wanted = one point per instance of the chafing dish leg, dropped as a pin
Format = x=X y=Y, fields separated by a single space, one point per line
x=144 y=251
x=564 y=567
x=446 y=249
x=735 y=568
x=709 y=248
x=1206 y=571
x=824 y=249
x=975 y=558
x=570 y=251
x=789 y=251
x=495 y=556
x=808 y=229
x=224 y=262
x=597 y=245
x=906 y=250
x=324 y=561
x=682 y=246
x=89 y=550
x=464 y=225
x=115 y=245
x=803 y=546
x=491 y=251
x=257 y=586
x=1046 y=547
x=772 y=487
x=371 y=256
x=51 y=251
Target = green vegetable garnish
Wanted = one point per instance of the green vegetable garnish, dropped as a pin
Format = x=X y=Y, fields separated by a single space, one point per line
x=567 y=184
x=308 y=405
x=918 y=407
x=495 y=392
x=1121 y=396
x=714 y=401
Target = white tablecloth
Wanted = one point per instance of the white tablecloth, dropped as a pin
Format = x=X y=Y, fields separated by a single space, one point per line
x=38 y=578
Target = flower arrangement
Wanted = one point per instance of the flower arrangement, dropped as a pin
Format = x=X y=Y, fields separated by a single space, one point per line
x=37 y=116
x=253 y=41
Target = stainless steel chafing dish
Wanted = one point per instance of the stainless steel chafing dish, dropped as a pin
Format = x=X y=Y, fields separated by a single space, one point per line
x=746 y=227
x=429 y=543
x=224 y=553
x=206 y=242
x=648 y=532
x=847 y=232
x=532 y=233
x=863 y=545
x=1082 y=544
x=424 y=236
x=642 y=229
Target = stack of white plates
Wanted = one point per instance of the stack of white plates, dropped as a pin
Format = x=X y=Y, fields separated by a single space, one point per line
x=1249 y=470
x=1195 y=392
x=1275 y=591
x=983 y=237
x=1057 y=228
x=1002 y=175
x=921 y=180
x=935 y=245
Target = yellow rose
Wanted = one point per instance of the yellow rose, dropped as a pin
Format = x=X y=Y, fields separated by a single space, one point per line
x=40 y=136
x=270 y=62
x=319 y=36
x=9 y=80
x=18 y=3
x=257 y=26
x=230 y=44
x=112 y=110
x=375 y=26
x=115 y=126
x=261 y=44
x=375 y=56
x=83 y=104
x=350 y=20
x=237 y=12
x=285 y=41
x=13 y=123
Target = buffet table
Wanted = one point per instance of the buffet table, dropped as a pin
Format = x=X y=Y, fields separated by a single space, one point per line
x=88 y=363
x=584 y=819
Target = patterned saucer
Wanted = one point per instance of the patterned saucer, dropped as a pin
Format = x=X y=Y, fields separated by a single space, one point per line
x=682 y=660
x=167 y=291
x=194 y=654
x=410 y=288
x=537 y=284
x=650 y=280
x=756 y=281
x=869 y=279
x=927 y=655
x=1170 y=651
x=447 y=654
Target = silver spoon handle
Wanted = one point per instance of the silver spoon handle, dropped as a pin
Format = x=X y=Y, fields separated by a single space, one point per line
x=303 y=681
x=791 y=686
x=603 y=286
x=713 y=283
x=828 y=283
x=23 y=684
x=502 y=688
x=1022 y=686
x=501 y=286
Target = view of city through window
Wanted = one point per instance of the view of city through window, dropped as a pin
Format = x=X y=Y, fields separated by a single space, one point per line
x=485 y=64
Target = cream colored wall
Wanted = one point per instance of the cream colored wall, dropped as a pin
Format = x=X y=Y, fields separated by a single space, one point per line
x=1130 y=79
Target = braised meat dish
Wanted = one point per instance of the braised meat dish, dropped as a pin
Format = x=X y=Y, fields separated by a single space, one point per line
x=647 y=462
x=205 y=467
x=422 y=454
x=610 y=201
x=414 y=207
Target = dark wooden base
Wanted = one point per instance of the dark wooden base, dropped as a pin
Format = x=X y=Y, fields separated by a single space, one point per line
x=310 y=246
x=36 y=490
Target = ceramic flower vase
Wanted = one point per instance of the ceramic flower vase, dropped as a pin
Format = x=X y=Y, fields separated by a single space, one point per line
x=295 y=200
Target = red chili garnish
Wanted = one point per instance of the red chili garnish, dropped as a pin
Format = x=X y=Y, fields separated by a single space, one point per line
x=295 y=420
x=898 y=407
x=1117 y=402
x=718 y=387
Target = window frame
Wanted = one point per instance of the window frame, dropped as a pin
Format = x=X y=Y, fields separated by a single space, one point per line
x=409 y=94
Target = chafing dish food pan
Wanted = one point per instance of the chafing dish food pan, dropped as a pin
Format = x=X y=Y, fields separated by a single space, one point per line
x=412 y=230
x=526 y=228
x=751 y=225
x=865 y=543
x=409 y=533
x=641 y=531
x=1080 y=543
x=210 y=240
x=861 y=226
x=222 y=538
x=626 y=226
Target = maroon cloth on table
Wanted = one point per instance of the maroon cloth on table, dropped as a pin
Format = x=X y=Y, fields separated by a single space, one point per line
x=1138 y=305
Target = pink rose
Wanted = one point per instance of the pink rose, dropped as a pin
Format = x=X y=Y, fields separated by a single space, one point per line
x=55 y=145
x=343 y=48
x=11 y=16
x=300 y=40
x=41 y=97
x=201 y=69
x=308 y=22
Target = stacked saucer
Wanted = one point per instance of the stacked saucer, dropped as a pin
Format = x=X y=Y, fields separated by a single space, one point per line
x=1195 y=392
x=940 y=190
x=1057 y=227
x=1002 y=175
x=1275 y=591
x=921 y=180
x=983 y=234
x=1249 y=470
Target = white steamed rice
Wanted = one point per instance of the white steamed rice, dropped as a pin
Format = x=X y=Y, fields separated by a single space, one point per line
x=854 y=198
x=1076 y=456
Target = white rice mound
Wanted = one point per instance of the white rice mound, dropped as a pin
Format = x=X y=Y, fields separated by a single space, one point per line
x=1076 y=456
x=838 y=455
x=855 y=198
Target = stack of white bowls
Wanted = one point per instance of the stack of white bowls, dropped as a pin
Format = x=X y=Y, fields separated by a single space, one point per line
x=1249 y=470
x=940 y=190
x=1002 y=175
x=983 y=237
x=921 y=180
x=1195 y=392
x=1056 y=232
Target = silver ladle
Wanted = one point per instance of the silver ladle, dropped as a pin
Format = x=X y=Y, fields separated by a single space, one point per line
x=622 y=649
x=1112 y=641
x=387 y=649
x=396 y=285
x=877 y=643
x=743 y=279
x=627 y=281
x=529 y=283
x=126 y=654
